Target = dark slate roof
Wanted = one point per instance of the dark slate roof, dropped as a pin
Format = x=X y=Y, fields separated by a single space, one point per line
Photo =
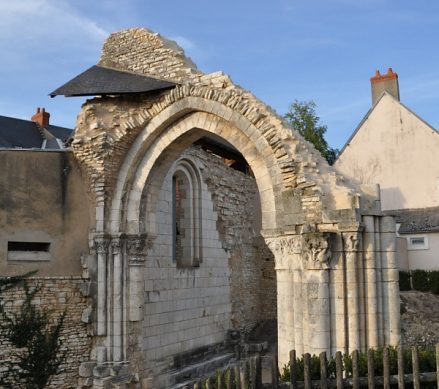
x=99 y=80
x=414 y=221
x=60 y=132
x=18 y=133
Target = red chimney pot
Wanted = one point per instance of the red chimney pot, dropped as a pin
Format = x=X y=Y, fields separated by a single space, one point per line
x=41 y=117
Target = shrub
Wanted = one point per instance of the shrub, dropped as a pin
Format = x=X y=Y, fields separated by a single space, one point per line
x=434 y=282
x=427 y=363
x=421 y=280
x=404 y=281
x=35 y=337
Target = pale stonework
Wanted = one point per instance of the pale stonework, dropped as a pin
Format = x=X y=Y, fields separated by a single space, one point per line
x=335 y=267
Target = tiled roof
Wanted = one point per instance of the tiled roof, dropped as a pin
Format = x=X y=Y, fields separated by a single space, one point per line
x=18 y=133
x=99 y=80
x=414 y=221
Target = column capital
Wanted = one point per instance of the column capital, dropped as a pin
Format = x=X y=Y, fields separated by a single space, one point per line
x=284 y=248
x=101 y=243
x=117 y=244
x=316 y=252
x=137 y=246
x=351 y=241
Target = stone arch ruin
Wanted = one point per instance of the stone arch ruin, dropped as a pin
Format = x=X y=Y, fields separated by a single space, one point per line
x=336 y=275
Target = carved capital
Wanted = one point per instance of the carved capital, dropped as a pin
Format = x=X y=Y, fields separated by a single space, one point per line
x=116 y=245
x=316 y=250
x=137 y=247
x=101 y=244
x=351 y=241
x=283 y=248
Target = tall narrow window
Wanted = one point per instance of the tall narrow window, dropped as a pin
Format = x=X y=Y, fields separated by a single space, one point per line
x=186 y=215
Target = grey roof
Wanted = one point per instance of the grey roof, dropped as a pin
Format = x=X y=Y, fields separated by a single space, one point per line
x=99 y=80
x=18 y=133
x=414 y=221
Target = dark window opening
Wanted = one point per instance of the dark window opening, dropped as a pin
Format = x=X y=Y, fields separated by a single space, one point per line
x=29 y=246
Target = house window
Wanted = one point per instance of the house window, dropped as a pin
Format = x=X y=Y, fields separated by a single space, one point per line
x=417 y=242
x=186 y=215
x=28 y=251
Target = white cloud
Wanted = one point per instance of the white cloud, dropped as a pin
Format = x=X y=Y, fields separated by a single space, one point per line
x=45 y=25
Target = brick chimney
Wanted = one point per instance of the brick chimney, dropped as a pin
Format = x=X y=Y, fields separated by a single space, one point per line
x=384 y=82
x=41 y=117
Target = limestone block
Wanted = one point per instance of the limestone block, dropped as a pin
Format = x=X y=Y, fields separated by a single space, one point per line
x=85 y=288
x=87 y=315
x=101 y=371
x=85 y=382
x=86 y=369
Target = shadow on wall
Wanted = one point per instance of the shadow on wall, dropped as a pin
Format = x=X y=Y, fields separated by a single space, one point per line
x=392 y=198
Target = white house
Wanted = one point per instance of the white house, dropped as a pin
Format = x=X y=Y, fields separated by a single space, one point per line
x=395 y=148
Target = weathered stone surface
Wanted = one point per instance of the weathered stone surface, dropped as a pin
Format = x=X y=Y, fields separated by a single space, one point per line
x=86 y=369
x=101 y=371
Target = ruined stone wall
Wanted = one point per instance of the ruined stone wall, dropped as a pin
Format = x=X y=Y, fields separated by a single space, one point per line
x=236 y=201
x=142 y=51
x=57 y=295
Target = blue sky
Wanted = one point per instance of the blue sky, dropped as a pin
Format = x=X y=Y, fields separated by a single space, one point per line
x=281 y=50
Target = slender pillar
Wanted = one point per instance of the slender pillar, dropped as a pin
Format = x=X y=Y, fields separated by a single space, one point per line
x=379 y=275
x=116 y=252
x=136 y=253
x=371 y=302
x=101 y=246
x=298 y=302
x=351 y=245
x=392 y=328
x=316 y=256
x=337 y=288
x=285 y=248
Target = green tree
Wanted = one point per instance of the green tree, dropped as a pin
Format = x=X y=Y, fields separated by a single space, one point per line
x=302 y=116
x=35 y=338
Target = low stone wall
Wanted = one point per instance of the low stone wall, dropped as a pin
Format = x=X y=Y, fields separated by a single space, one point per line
x=57 y=295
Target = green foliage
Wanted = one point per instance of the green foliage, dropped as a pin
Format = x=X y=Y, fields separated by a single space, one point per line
x=421 y=280
x=35 y=338
x=404 y=281
x=314 y=369
x=427 y=363
x=434 y=282
x=302 y=116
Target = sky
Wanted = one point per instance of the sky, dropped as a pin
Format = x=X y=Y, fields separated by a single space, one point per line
x=281 y=50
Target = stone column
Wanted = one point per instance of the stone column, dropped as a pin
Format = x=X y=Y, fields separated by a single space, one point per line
x=392 y=329
x=101 y=247
x=136 y=246
x=285 y=248
x=116 y=251
x=371 y=302
x=351 y=242
x=338 y=296
x=316 y=255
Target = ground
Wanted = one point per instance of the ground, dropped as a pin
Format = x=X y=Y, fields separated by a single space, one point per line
x=419 y=318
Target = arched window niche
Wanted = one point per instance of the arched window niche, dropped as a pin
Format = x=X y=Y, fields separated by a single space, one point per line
x=186 y=215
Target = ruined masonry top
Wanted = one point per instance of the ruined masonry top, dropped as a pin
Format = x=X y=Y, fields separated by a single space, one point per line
x=142 y=51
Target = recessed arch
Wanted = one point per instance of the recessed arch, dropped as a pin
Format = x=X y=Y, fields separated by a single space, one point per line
x=173 y=130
